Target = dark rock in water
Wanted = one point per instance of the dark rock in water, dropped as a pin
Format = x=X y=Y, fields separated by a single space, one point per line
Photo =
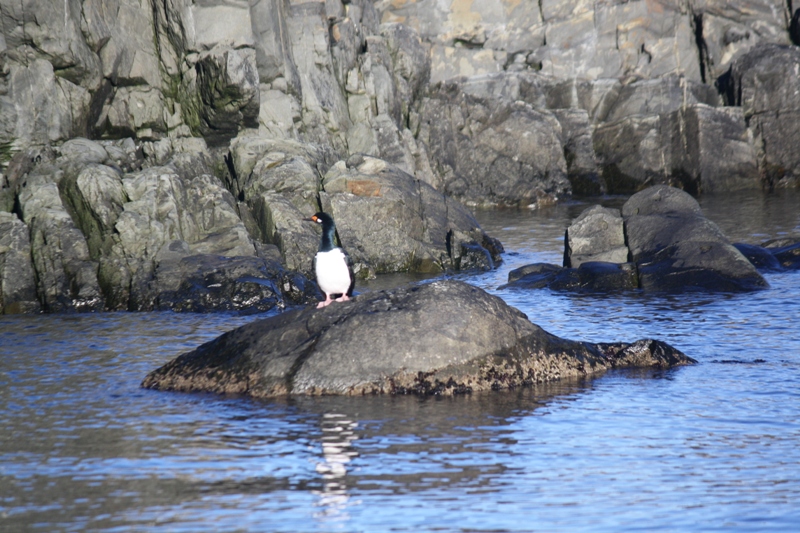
x=676 y=248
x=445 y=337
x=592 y=276
x=202 y=283
x=788 y=256
x=660 y=200
x=597 y=276
x=673 y=248
x=760 y=257
x=536 y=269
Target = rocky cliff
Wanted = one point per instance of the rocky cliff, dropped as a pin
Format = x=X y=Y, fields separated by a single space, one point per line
x=215 y=125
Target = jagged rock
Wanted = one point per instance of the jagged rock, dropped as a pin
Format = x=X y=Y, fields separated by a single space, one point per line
x=491 y=151
x=668 y=132
x=66 y=275
x=17 y=281
x=763 y=82
x=388 y=221
x=424 y=348
x=227 y=81
x=730 y=29
x=134 y=111
x=40 y=30
x=596 y=235
x=61 y=106
x=576 y=138
x=123 y=35
x=201 y=283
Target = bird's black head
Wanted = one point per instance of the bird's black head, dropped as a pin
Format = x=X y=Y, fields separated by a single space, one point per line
x=328 y=230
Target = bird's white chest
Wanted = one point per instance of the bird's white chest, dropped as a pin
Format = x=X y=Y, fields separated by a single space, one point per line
x=333 y=277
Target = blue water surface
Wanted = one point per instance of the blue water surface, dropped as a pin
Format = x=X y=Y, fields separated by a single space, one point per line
x=711 y=447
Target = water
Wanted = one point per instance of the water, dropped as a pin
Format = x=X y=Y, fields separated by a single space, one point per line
x=710 y=447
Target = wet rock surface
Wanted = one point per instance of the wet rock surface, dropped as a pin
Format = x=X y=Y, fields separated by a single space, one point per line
x=445 y=337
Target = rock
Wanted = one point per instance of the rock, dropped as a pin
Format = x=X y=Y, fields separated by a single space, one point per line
x=134 y=112
x=123 y=35
x=589 y=277
x=388 y=221
x=83 y=151
x=676 y=248
x=788 y=256
x=17 y=278
x=61 y=106
x=761 y=258
x=763 y=83
x=227 y=82
x=422 y=347
x=492 y=152
x=596 y=235
x=672 y=247
x=534 y=272
x=66 y=275
x=669 y=132
x=576 y=138
x=730 y=29
x=714 y=150
x=40 y=30
x=794 y=27
x=202 y=283
x=661 y=200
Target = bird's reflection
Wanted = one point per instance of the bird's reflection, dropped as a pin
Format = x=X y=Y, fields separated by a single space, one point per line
x=338 y=435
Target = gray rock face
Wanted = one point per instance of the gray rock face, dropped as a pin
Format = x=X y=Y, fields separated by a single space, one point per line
x=493 y=151
x=66 y=275
x=387 y=219
x=671 y=246
x=424 y=348
x=763 y=82
x=670 y=132
x=596 y=235
x=390 y=222
x=166 y=236
x=17 y=281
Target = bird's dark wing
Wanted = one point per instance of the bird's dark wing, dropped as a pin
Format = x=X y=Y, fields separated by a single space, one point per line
x=349 y=261
x=314 y=265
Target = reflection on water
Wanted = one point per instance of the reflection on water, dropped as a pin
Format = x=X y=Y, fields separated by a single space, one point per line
x=713 y=446
x=338 y=434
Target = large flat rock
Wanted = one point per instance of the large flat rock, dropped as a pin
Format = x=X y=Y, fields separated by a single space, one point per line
x=445 y=337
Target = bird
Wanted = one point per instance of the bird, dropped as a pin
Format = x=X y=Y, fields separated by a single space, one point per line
x=332 y=266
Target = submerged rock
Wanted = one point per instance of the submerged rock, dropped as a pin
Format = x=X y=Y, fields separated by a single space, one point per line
x=446 y=337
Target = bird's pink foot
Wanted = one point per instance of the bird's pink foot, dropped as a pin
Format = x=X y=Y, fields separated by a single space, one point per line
x=342 y=298
x=326 y=303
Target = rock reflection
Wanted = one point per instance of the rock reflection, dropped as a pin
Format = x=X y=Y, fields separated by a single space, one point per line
x=338 y=435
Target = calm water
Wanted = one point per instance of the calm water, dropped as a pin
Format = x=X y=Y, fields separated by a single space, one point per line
x=715 y=446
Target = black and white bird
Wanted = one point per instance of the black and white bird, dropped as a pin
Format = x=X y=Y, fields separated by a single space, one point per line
x=332 y=266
